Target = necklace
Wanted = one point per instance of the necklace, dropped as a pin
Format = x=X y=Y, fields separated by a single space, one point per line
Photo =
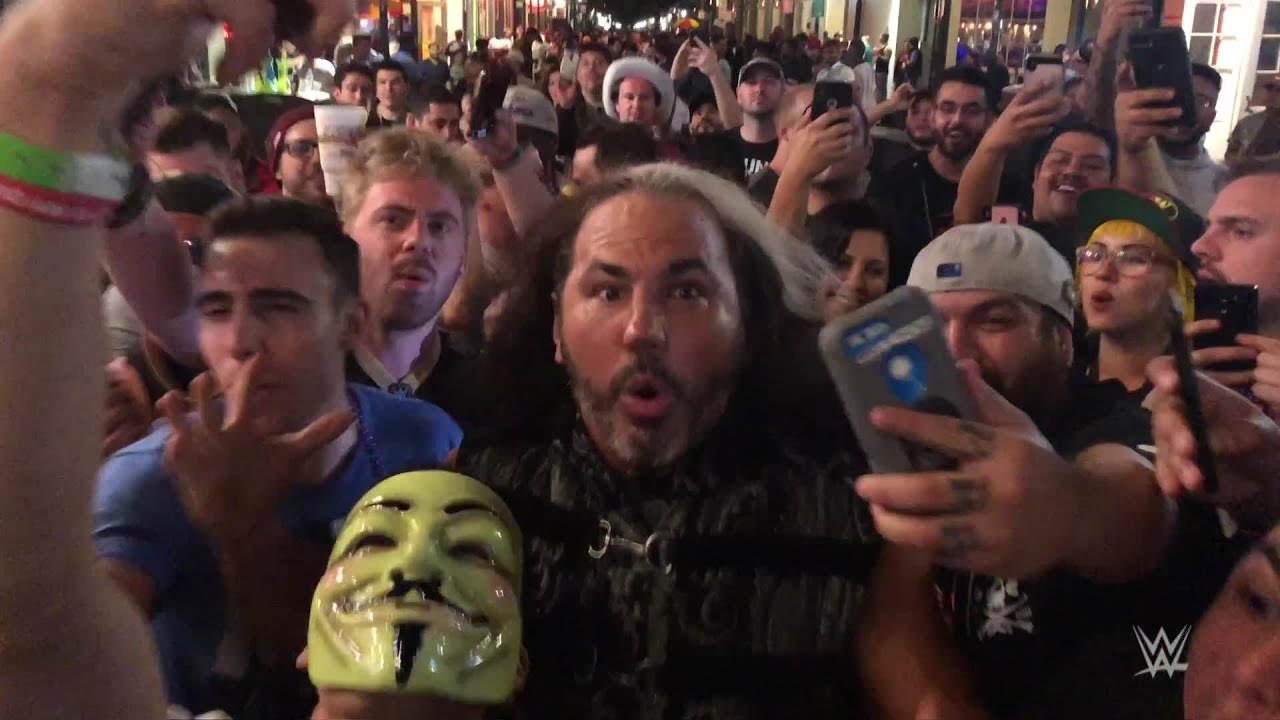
x=365 y=437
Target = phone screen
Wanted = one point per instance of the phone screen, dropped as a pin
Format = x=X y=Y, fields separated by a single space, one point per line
x=1192 y=409
x=1160 y=60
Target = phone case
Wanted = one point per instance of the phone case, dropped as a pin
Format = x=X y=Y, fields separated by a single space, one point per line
x=1160 y=60
x=892 y=353
x=1235 y=307
x=830 y=96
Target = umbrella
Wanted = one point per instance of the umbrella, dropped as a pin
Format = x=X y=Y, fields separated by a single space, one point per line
x=687 y=24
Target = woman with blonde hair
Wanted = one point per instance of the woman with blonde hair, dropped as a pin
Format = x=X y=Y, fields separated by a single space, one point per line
x=1135 y=269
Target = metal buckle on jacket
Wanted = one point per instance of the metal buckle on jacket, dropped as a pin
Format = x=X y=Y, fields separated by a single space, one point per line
x=651 y=550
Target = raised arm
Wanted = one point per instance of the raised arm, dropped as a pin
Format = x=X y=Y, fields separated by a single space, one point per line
x=1118 y=16
x=705 y=59
x=73 y=646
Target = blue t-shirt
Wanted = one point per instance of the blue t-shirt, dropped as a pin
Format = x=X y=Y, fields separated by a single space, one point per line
x=139 y=520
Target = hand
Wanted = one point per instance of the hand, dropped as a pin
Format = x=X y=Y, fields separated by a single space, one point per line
x=815 y=144
x=1266 y=376
x=1118 y=16
x=1008 y=509
x=704 y=58
x=501 y=144
x=1031 y=115
x=1139 y=115
x=563 y=91
x=128 y=407
x=231 y=473
x=1205 y=358
x=1245 y=443
x=900 y=99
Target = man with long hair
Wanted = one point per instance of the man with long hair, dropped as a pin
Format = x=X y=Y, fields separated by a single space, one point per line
x=695 y=545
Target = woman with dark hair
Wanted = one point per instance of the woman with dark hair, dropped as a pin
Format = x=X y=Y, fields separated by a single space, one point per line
x=853 y=238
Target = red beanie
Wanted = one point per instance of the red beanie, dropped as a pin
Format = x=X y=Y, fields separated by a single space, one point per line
x=275 y=138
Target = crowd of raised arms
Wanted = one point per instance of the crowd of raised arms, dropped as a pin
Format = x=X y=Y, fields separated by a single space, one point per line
x=498 y=384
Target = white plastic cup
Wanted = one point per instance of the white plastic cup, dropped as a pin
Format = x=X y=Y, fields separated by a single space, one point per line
x=339 y=128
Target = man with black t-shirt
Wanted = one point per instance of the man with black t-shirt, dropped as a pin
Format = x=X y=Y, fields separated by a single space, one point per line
x=760 y=88
x=919 y=193
x=1054 y=584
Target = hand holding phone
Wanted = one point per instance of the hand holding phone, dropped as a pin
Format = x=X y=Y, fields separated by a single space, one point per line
x=490 y=95
x=1046 y=71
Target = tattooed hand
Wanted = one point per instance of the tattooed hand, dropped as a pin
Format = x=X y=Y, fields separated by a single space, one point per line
x=1008 y=508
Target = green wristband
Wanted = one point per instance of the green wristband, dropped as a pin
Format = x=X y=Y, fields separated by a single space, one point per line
x=96 y=176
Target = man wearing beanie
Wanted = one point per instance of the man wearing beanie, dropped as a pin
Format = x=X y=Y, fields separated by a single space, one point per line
x=293 y=155
x=1052 y=544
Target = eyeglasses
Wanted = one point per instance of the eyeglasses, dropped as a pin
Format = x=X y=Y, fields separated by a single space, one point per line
x=1131 y=260
x=301 y=149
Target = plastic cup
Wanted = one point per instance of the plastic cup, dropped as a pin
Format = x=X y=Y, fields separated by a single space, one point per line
x=339 y=128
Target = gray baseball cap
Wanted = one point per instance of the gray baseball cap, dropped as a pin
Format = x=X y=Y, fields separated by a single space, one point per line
x=766 y=64
x=1000 y=258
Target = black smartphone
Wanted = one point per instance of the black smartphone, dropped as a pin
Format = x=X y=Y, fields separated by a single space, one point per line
x=1160 y=60
x=492 y=90
x=294 y=19
x=830 y=95
x=1235 y=307
x=1192 y=409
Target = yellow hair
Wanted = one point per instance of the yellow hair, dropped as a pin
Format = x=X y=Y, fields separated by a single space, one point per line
x=1184 y=281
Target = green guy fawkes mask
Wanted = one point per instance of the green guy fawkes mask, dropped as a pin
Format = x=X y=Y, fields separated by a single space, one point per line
x=422 y=593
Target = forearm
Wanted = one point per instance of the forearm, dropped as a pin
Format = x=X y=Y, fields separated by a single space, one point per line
x=881 y=111
x=979 y=184
x=1143 y=171
x=1124 y=523
x=903 y=653
x=270 y=577
x=790 y=205
x=152 y=269
x=527 y=199
x=58 y=617
x=726 y=101
x=1100 y=81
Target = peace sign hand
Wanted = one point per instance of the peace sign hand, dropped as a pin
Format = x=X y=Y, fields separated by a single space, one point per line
x=232 y=472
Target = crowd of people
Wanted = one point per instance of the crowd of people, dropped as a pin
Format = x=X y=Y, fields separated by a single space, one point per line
x=524 y=416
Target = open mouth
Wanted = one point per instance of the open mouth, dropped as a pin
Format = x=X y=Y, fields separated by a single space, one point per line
x=1101 y=300
x=645 y=398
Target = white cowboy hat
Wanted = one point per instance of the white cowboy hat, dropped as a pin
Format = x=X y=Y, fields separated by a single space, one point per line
x=641 y=68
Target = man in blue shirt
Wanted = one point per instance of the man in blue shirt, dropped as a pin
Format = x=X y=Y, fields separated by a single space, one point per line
x=219 y=523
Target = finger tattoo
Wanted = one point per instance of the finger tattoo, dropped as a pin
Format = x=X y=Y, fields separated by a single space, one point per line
x=968 y=494
x=959 y=540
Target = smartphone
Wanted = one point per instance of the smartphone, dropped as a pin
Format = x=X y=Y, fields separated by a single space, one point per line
x=1160 y=60
x=830 y=95
x=294 y=19
x=1042 y=69
x=1235 y=307
x=492 y=90
x=1003 y=215
x=892 y=353
x=1192 y=409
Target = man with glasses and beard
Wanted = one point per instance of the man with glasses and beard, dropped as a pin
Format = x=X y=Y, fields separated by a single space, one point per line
x=920 y=193
x=1196 y=176
x=672 y=471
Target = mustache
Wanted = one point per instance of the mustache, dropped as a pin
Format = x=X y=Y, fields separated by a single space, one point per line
x=651 y=366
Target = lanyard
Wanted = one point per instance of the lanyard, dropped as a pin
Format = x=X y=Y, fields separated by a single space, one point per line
x=408 y=385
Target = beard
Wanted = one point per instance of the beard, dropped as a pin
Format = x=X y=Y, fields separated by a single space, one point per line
x=695 y=410
x=1176 y=145
x=956 y=149
x=924 y=140
x=1027 y=392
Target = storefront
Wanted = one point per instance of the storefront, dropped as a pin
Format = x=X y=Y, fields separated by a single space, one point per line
x=1241 y=40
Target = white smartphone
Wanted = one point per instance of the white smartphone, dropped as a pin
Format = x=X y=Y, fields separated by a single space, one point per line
x=1045 y=69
